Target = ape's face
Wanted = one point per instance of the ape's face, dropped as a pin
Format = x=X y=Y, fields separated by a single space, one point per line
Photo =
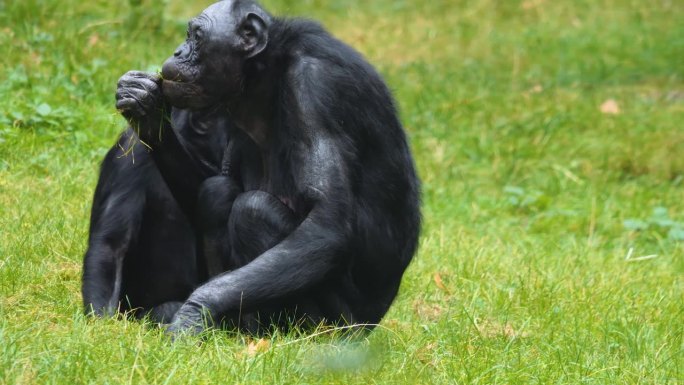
x=207 y=68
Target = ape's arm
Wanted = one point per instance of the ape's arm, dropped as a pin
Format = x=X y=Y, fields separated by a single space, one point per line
x=302 y=260
x=299 y=262
x=139 y=98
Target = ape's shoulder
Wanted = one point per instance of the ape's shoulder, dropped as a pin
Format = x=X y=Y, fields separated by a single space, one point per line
x=305 y=41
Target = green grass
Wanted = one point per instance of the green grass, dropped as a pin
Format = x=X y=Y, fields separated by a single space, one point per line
x=532 y=197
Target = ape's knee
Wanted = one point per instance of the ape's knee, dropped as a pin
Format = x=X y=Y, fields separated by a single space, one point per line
x=259 y=207
x=258 y=221
x=214 y=200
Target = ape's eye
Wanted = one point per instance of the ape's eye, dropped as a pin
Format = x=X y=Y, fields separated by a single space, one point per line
x=198 y=33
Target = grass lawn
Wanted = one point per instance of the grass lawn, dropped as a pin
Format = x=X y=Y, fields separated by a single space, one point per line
x=549 y=137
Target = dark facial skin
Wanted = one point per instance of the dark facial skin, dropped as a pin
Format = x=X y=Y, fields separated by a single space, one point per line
x=207 y=68
x=317 y=216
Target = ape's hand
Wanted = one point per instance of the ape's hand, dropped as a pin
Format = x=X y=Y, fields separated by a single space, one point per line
x=190 y=319
x=139 y=96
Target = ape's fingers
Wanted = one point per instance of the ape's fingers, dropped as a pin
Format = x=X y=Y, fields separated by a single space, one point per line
x=146 y=100
x=154 y=77
x=130 y=107
x=138 y=82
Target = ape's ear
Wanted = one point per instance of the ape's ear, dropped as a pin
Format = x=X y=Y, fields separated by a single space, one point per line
x=254 y=34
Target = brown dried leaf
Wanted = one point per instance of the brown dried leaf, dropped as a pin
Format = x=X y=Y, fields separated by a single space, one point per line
x=536 y=89
x=610 y=107
x=260 y=346
x=93 y=40
x=437 y=277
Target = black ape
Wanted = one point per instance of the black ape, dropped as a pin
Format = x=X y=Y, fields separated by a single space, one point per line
x=321 y=198
x=142 y=253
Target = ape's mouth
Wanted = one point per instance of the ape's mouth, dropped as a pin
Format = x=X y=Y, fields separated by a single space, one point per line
x=171 y=73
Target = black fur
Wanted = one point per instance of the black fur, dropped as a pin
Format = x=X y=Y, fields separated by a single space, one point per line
x=143 y=254
x=316 y=216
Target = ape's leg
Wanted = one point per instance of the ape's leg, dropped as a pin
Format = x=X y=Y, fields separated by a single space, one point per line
x=252 y=292
x=215 y=200
x=102 y=279
x=115 y=223
x=258 y=221
x=162 y=268
x=142 y=249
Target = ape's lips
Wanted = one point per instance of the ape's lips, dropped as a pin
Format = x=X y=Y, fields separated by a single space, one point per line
x=170 y=72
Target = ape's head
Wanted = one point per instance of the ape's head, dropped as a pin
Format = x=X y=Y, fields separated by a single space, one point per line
x=207 y=68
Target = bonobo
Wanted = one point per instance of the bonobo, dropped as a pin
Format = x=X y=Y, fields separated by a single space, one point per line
x=317 y=214
x=143 y=254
